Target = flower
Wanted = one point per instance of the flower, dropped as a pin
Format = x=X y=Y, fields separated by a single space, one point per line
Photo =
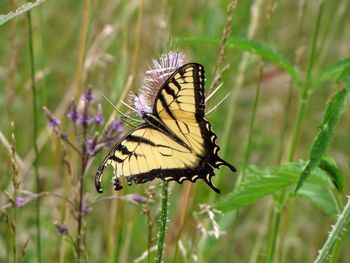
x=61 y=228
x=154 y=79
x=116 y=126
x=54 y=122
x=91 y=146
x=112 y=132
x=83 y=120
x=19 y=201
x=73 y=113
x=98 y=117
x=86 y=210
x=87 y=96
x=138 y=199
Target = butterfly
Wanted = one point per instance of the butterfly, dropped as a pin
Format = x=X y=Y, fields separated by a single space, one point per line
x=174 y=143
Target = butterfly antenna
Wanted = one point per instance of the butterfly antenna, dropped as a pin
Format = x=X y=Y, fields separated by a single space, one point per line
x=120 y=112
x=217 y=105
x=127 y=105
x=126 y=120
x=212 y=94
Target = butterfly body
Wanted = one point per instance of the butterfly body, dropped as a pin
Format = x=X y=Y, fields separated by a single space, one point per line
x=175 y=143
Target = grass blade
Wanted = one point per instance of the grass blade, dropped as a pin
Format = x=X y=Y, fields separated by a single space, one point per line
x=20 y=10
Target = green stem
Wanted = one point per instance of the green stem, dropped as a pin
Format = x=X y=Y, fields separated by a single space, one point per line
x=335 y=234
x=163 y=221
x=35 y=135
x=276 y=219
x=251 y=124
x=307 y=84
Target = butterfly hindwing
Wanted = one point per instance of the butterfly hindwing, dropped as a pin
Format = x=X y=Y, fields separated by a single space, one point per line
x=147 y=153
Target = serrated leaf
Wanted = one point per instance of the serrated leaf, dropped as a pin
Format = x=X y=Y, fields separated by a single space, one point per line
x=334 y=108
x=257 y=48
x=20 y=10
x=262 y=182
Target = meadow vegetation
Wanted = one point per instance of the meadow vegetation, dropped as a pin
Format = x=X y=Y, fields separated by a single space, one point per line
x=280 y=114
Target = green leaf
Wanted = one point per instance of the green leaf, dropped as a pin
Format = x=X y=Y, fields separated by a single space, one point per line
x=20 y=10
x=263 y=182
x=324 y=137
x=331 y=71
x=328 y=165
x=257 y=48
x=345 y=76
x=317 y=195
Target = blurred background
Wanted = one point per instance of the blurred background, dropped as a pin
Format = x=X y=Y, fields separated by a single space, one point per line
x=108 y=45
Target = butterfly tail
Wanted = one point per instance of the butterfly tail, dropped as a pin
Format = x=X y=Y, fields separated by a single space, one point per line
x=208 y=177
x=230 y=166
x=212 y=186
x=98 y=179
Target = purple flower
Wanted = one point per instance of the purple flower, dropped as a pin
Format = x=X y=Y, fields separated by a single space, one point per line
x=73 y=113
x=54 y=122
x=91 y=146
x=61 y=228
x=86 y=210
x=83 y=120
x=117 y=126
x=98 y=117
x=19 y=201
x=88 y=95
x=139 y=199
x=112 y=132
x=154 y=79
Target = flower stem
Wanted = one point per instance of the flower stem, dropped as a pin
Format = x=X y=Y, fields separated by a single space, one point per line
x=334 y=235
x=163 y=221
x=84 y=161
x=35 y=135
